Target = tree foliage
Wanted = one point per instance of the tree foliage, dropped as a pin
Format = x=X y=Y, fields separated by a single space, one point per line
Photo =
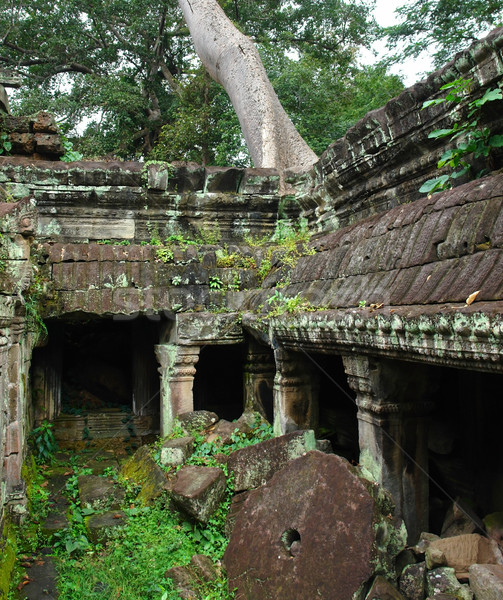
x=126 y=71
x=443 y=27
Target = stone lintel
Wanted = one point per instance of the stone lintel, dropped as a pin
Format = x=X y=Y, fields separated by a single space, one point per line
x=207 y=328
x=456 y=335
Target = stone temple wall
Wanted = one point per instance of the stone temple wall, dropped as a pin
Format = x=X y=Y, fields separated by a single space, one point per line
x=387 y=275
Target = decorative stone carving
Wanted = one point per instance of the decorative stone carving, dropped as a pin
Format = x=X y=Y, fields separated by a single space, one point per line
x=177 y=369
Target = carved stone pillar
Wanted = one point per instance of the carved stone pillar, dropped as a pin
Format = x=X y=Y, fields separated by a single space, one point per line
x=296 y=387
x=259 y=371
x=393 y=402
x=177 y=369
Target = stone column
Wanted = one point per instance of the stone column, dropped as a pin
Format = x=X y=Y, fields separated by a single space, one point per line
x=177 y=380
x=259 y=370
x=392 y=399
x=296 y=387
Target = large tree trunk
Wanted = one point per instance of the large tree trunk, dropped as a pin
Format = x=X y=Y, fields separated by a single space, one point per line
x=233 y=61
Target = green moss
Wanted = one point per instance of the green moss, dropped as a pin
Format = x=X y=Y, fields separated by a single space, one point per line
x=8 y=550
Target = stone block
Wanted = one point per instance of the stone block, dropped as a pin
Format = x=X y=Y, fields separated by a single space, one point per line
x=45 y=123
x=443 y=581
x=223 y=431
x=188 y=579
x=48 y=143
x=99 y=526
x=143 y=470
x=13 y=439
x=382 y=589
x=486 y=581
x=198 y=491
x=22 y=143
x=99 y=492
x=255 y=465
x=462 y=551
x=176 y=452
x=259 y=181
x=197 y=420
x=412 y=581
x=315 y=527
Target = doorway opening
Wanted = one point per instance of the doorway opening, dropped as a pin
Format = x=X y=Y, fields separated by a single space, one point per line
x=218 y=382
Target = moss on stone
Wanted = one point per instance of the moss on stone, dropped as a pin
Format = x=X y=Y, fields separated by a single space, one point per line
x=8 y=550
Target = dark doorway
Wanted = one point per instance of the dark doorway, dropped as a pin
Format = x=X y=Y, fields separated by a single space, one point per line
x=466 y=456
x=337 y=407
x=218 y=383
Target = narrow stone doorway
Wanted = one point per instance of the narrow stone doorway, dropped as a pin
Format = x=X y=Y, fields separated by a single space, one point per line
x=218 y=382
x=464 y=443
x=98 y=378
x=337 y=410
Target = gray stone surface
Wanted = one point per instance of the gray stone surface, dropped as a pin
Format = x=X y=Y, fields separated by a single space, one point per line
x=100 y=525
x=486 y=581
x=175 y=452
x=198 y=491
x=197 y=420
x=255 y=465
x=382 y=589
x=443 y=581
x=412 y=581
x=99 y=492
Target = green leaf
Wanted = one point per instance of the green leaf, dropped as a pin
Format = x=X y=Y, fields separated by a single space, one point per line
x=438 y=133
x=432 y=102
x=433 y=185
x=489 y=96
x=496 y=141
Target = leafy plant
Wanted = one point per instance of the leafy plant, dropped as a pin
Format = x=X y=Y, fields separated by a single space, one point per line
x=43 y=442
x=472 y=139
x=164 y=254
x=70 y=154
x=215 y=282
x=281 y=304
x=5 y=144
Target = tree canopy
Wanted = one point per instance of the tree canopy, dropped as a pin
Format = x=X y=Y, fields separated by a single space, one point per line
x=443 y=27
x=128 y=72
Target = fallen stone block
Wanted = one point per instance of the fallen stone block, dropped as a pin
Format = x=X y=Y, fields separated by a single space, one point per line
x=189 y=578
x=142 y=470
x=413 y=582
x=197 y=420
x=317 y=529
x=382 y=589
x=175 y=452
x=255 y=465
x=460 y=520
x=461 y=551
x=444 y=581
x=494 y=527
x=99 y=492
x=198 y=491
x=486 y=581
x=99 y=526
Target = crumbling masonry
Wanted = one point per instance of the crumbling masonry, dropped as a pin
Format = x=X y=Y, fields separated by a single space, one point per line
x=390 y=362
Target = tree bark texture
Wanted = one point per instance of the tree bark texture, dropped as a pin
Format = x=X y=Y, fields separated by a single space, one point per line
x=232 y=60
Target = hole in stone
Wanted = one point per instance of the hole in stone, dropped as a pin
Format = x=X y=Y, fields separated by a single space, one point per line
x=291 y=541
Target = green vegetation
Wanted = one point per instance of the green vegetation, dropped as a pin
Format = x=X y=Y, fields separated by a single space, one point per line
x=129 y=70
x=5 y=145
x=43 y=443
x=281 y=304
x=132 y=562
x=442 y=27
x=473 y=141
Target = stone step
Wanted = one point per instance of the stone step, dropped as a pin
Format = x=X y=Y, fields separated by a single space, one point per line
x=101 y=425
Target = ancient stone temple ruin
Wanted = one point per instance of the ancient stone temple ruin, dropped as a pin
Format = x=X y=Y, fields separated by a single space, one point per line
x=366 y=336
